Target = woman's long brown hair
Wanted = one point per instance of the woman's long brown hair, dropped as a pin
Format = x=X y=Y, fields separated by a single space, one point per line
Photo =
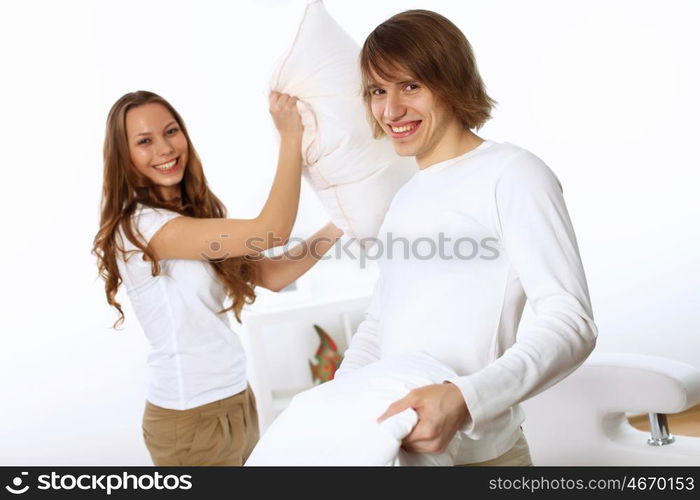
x=124 y=188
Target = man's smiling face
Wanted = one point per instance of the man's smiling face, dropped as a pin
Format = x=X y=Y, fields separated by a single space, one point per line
x=411 y=114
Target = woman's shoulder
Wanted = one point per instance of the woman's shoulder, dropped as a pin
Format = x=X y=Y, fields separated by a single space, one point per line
x=142 y=209
x=145 y=216
x=145 y=221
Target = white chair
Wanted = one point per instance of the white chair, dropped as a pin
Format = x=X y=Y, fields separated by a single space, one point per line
x=583 y=419
x=281 y=343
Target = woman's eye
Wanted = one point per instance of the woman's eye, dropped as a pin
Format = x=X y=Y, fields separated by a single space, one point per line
x=173 y=130
x=143 y=141
x=377 y=91
x=411 y=86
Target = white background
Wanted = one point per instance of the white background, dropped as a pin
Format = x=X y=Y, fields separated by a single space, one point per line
x=604 y=92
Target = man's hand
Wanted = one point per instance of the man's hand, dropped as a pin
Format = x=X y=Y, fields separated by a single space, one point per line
x=441 y=412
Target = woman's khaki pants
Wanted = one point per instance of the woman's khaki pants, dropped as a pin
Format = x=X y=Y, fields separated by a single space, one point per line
x=220 y=433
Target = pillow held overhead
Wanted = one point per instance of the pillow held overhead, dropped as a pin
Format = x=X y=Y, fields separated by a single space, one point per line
x=354 y=175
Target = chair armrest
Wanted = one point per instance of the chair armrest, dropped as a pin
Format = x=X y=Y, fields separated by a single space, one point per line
x=637 y=383
x=581 y=420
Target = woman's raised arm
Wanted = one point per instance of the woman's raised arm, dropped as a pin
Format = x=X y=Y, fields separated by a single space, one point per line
x=193 y=238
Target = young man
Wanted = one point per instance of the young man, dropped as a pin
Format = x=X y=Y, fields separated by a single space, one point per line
x=497 y=216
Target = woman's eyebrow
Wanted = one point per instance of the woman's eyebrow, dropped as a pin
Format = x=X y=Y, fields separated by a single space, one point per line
x=149 y=133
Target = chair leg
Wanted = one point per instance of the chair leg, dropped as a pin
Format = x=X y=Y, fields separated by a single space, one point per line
x=658 y=423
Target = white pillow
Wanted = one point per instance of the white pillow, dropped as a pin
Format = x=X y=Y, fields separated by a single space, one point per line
x=354 y=175
x=335 y=423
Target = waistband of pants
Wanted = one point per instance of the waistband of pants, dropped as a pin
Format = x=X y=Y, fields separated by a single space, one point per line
x=158 y=411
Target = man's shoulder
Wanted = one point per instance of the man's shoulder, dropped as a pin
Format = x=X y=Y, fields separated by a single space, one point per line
x=504 y=162
x=502 y=151
x=522 y=168
x=490 y=153
x=488 y=161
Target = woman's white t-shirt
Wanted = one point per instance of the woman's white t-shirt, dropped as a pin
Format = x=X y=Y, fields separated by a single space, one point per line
x=195 y=358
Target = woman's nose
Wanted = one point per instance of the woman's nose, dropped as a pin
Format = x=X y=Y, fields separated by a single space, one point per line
x=165 y=148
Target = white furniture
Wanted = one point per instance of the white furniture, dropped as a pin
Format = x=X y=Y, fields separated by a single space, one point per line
x=580 y=421
x=583 y=419
x=280 y=344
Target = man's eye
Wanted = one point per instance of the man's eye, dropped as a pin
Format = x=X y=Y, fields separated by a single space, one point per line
x=411 y=86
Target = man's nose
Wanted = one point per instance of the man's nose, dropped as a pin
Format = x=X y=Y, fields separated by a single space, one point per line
x=395 y=107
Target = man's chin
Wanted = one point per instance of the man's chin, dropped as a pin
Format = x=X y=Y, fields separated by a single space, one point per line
x=402 y=150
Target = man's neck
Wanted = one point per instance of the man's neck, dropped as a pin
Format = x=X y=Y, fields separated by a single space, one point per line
x=455 y=143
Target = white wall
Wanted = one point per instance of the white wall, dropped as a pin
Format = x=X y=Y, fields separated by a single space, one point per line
x=605 y=92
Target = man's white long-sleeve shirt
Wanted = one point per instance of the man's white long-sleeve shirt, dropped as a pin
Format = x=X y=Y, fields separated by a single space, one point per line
x=463 y=245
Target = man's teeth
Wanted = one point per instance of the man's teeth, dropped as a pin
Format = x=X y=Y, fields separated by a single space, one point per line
x=166 y=166
x=404 y=128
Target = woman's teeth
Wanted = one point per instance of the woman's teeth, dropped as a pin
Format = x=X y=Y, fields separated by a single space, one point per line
x=166 y=166
x=404 y=128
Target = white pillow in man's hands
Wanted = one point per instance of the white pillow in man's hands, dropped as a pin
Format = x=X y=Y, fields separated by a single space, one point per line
x=354 y=175
x=336 y=423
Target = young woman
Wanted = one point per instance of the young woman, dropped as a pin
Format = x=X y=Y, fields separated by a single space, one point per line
x=165 y=236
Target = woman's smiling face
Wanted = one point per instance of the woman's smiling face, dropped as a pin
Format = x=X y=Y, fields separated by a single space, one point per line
x=157 y=146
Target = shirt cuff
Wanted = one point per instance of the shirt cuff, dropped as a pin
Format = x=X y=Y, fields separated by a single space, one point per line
x=471 y=399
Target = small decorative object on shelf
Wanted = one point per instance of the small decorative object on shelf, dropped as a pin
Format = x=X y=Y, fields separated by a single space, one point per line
x=327 y=356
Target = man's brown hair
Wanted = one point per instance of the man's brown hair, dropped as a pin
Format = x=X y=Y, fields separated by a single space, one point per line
x=435 y=52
